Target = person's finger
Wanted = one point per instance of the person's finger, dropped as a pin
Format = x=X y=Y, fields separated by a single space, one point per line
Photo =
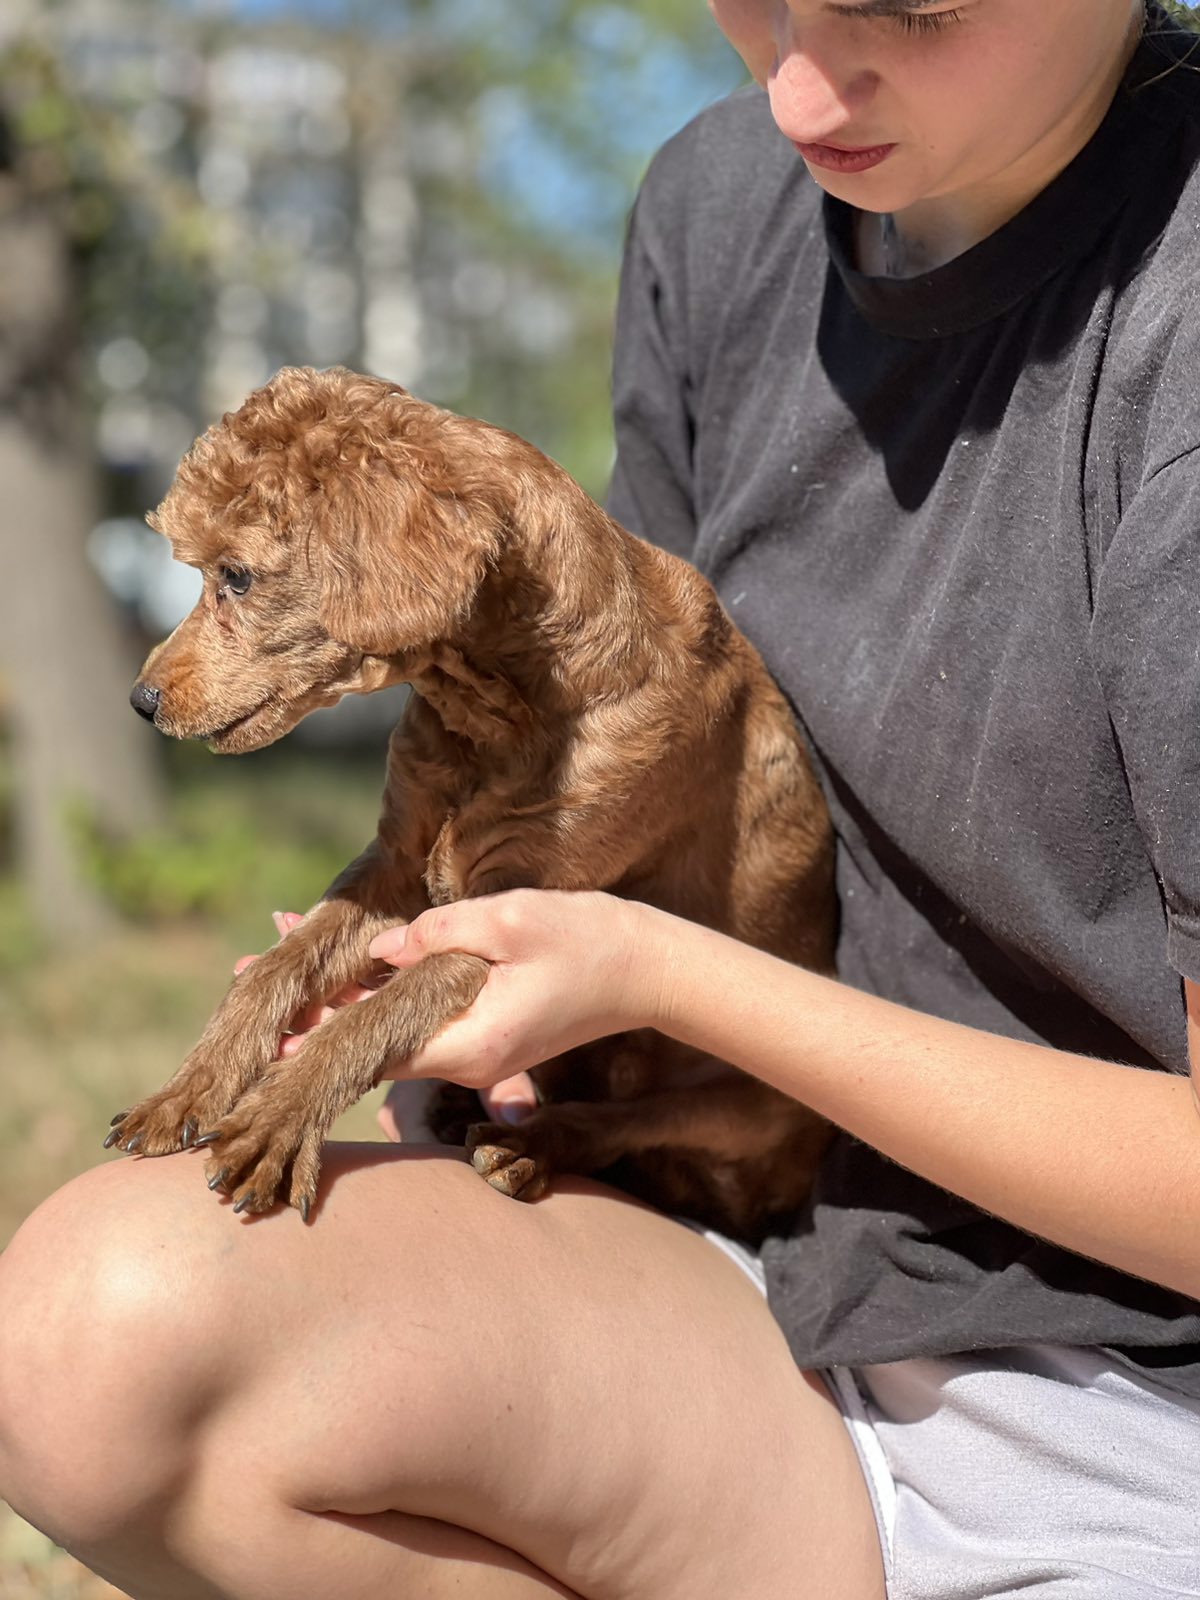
x=389 y=945
x=402 y=1116
x=312 y=1016
x=242 y=962
x=512 y=1100
x=293 y=1039
x=307 y=1018
x=463 y=925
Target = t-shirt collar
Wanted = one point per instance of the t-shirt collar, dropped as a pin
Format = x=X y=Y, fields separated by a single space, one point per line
x=1058 y=226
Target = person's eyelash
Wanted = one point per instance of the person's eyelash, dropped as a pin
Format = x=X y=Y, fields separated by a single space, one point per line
x=928 y=22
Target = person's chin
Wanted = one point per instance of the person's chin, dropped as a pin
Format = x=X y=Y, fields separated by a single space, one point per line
x=878 y=190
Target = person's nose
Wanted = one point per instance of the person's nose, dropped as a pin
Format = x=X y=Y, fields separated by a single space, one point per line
x=816 y=93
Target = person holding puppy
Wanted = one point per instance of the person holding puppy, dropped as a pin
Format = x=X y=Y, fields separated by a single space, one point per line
x=906 y=362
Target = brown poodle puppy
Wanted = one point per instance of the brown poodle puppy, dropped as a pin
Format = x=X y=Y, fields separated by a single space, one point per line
x=585 y=716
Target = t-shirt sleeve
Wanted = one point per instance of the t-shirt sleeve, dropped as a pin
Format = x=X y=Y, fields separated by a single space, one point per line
x=1145 y=639
x=651 y=488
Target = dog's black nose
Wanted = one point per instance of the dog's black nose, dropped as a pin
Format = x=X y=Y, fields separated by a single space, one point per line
x=144 y=700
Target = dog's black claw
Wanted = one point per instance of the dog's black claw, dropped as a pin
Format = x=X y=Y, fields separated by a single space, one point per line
x=205 y=1138
x=247 y=1199
x=218 y=1179
x=120 y=1117
x=189 y=1132
x=305 y=1207
x=112 y=1138
x=134 y=1144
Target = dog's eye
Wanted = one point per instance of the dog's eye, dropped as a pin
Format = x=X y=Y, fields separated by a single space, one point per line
x=235 y=579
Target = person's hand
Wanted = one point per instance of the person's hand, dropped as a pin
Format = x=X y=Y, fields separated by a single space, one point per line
x=402 y=1113
x=565 y=968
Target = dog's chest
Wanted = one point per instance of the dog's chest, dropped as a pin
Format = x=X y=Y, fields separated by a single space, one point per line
x=480 y=848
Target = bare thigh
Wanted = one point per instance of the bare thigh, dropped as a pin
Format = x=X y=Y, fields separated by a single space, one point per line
x=581 y=1383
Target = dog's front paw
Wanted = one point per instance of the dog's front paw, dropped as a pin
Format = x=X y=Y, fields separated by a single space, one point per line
x=259 y=1150
x=155 y=1127
x=216 y=1071
x=175 y=1117
x=506 y=1159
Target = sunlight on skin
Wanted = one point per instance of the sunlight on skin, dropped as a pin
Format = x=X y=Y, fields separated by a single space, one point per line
x=985 y=101
x=1192 y=996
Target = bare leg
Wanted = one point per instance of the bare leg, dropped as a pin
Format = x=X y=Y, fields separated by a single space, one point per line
x=430 y=1391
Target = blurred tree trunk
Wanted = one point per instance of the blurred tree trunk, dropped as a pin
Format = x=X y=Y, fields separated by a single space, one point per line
x=64 y=659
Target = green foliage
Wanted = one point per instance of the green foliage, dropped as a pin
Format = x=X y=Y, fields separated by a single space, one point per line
x=267 y=833
x=22 y=944
x=587 y=84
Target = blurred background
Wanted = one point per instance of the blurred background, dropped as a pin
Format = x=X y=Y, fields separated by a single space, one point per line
x=194 y=193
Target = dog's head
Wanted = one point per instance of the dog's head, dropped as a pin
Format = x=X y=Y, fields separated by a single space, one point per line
x=341 y=528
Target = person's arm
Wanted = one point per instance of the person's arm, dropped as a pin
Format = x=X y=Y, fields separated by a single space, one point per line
x=1099 y=1158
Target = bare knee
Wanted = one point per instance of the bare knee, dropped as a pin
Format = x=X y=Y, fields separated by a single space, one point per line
x=144 y=1331
x=101 y=1358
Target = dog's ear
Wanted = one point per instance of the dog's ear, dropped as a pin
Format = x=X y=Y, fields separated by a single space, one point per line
x=400 y=555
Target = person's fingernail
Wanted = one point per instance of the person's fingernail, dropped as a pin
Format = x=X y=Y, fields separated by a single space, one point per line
x=513 y=1111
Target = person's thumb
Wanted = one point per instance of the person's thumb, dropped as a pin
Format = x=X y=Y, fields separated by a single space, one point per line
x=511 y=1100
x=425 y=935
x=389 y=945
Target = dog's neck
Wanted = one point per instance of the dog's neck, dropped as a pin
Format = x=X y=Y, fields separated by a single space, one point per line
x=480 y=706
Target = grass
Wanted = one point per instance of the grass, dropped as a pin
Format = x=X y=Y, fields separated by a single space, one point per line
x=86 y=1033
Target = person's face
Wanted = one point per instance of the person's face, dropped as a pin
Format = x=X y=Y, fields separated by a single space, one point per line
x=971 y=96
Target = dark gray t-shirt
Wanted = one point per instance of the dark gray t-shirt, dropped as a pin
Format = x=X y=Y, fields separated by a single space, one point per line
x=960 y=517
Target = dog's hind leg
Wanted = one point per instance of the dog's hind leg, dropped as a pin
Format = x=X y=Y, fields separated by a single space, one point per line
x=731 y=1151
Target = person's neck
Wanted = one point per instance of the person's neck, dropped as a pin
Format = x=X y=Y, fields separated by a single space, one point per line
x=929 y=233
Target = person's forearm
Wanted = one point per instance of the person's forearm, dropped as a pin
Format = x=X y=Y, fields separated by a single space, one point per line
x=1100 y=1158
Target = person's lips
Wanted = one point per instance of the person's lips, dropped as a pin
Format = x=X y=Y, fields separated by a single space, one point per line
x=844 y=158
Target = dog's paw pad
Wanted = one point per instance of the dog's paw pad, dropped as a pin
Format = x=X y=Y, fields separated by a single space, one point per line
x=519 y=1177
x=489 y=1158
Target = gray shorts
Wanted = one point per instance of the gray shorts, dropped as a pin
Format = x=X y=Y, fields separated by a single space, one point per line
x=1040 y=1471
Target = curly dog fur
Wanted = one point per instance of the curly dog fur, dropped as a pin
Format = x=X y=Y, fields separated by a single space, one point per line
x=584 y=715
